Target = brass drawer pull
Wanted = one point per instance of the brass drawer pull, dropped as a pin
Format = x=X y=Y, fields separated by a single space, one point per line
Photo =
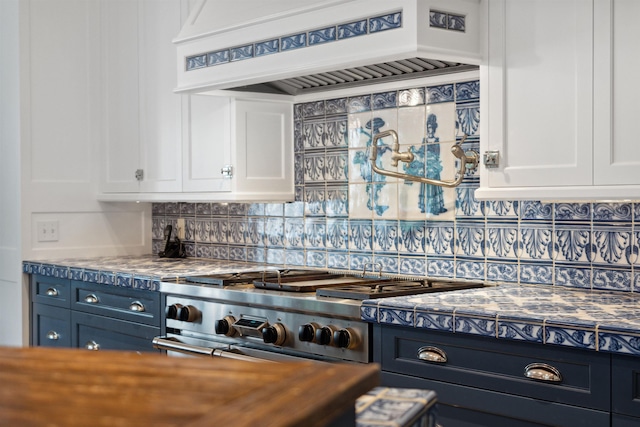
x=52 y=292
x=432 y=354
x=92 y=345
x=542 y=372
x=137 y=306
x=53 y=335
x=91 y=299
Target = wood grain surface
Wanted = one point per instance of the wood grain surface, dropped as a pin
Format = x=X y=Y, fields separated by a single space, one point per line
x=75 y=387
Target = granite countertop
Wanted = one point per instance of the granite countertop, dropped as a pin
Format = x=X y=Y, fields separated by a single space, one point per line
x=596 y=320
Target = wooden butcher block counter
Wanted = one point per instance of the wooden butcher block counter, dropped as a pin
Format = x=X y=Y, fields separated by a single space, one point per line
x=72 y=387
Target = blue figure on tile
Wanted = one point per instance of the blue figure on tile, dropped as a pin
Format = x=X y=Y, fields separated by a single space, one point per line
x=427 y=160
x=375 y=181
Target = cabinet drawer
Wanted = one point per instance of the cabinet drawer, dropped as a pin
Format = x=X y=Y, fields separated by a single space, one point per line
x=495 y=365
x=50 y=290
x=625 y=385
x=102 y=333
x=50 y=326
x=125 y=304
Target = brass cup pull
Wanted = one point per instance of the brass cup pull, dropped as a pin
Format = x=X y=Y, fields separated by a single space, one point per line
x=53 y=336
x=52 y=292
x=432 y=354
x=542 y=372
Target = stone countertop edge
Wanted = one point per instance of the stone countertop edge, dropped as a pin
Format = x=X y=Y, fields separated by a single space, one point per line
x=606 y=321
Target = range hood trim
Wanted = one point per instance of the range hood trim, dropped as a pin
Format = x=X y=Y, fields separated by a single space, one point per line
x=371 y=49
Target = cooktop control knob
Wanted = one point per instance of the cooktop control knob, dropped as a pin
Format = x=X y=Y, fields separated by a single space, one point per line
x=188 y=313
x=307 y=332
x=274 y=334
x=172 y=311
x=223 y=326
x=345 y=338
x=324 y=335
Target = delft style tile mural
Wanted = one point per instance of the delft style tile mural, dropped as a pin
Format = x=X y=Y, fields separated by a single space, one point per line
x=346 y=217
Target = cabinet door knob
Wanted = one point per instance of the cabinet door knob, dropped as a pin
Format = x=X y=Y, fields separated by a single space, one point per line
x=92 y=345
x=52 y=292
x=137 y=306
x=91 y=299
x=432 y=354
x=53 y=335
x=542 y=372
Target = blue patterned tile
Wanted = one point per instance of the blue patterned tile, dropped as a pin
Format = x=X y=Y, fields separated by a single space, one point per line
x=436 y=320
x=267 y=47
x=322 y=36
x=256 y=209
x=361 y=234
x=315 y=233
x=61 y=272
x=222 y=209
x=440 y=238
x=336 y=132
x=338 y=260
x=468 y=118
x=612 y=212
x=611 y=244
x=395 y=316
x=538 y=273
x=46 y=270
x=124 y=280
x=470 y=238
x=336 y=165
x=316 y=259
x=91 y=276
x=521 y=331
x=219 y=57
x=385 y=22
x=456 y=22
x=572 y=212
x=572 y=243
x=472 y=268
x=358 y=261
x=442 y=93
x=299 y=169
x=412 y=265
x=568 y=336
x=294 y=232
x=502 y=239
x=369 y=311
x=352 y=29
x=237 y=209
x=534 y=210
x=475 y=325
x=618 y=279
x=203 y=209
x=502 y=271
x=617 y=342
x=293 y=209
x=274 y=256
x=219 y=251
x=238 y=253
x=437 y=19
x=257 y=232
x=337 y=233
x=385 y=236
x=411 y=97
x=107 y=278
x=295 y=41
x=502 y=209
x=294 y=257
x=313 y=138
x=358 y=104
x=468 y=90
x=145 y=283
x=388 y=263
x=535 y=240
x=195 y=62
x=337 y=203
x=466 y=203
x=440 y=266
x=314 y=197
x=242 y=52
x=76 y=273
x=384 y=100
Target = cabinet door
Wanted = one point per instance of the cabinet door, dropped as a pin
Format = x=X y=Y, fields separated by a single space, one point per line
x=50 y=326
x=538 y=76
x=102 y=333
x=207 y=136
x=617 y=67
x=142 y=129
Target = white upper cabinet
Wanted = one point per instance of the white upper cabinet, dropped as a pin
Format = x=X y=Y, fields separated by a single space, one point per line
x=142 y=115
x=161 y=146
x=557 y=95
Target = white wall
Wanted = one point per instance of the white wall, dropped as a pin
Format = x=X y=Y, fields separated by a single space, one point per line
x=11 y=290
x=50 y=131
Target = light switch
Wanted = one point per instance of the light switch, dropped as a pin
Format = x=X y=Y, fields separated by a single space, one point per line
x=47 y=231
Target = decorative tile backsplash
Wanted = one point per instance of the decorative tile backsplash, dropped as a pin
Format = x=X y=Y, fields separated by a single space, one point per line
x=346 y=217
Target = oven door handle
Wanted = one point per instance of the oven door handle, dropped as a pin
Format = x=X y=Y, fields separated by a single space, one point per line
x=173 y=344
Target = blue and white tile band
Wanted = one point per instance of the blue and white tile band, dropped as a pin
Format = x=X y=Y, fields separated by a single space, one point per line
x=592 y=320
x=333 y=33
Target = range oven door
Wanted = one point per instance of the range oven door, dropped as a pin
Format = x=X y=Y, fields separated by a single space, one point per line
x=181 y=346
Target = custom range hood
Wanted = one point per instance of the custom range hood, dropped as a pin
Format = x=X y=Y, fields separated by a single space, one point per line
x=296 y=47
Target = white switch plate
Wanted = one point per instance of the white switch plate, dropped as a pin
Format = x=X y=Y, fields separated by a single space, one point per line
x=180 y=226
x=47 y=231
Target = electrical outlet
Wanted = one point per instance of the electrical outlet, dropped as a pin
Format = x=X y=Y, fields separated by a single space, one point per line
x=47 y=231
x=180 y=226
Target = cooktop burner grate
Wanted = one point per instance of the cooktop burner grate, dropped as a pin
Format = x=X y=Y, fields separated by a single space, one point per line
x=394 y=289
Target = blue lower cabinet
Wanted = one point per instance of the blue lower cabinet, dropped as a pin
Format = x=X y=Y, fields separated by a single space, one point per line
x=482 y=381
x=50 y=326
x=625 y=387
